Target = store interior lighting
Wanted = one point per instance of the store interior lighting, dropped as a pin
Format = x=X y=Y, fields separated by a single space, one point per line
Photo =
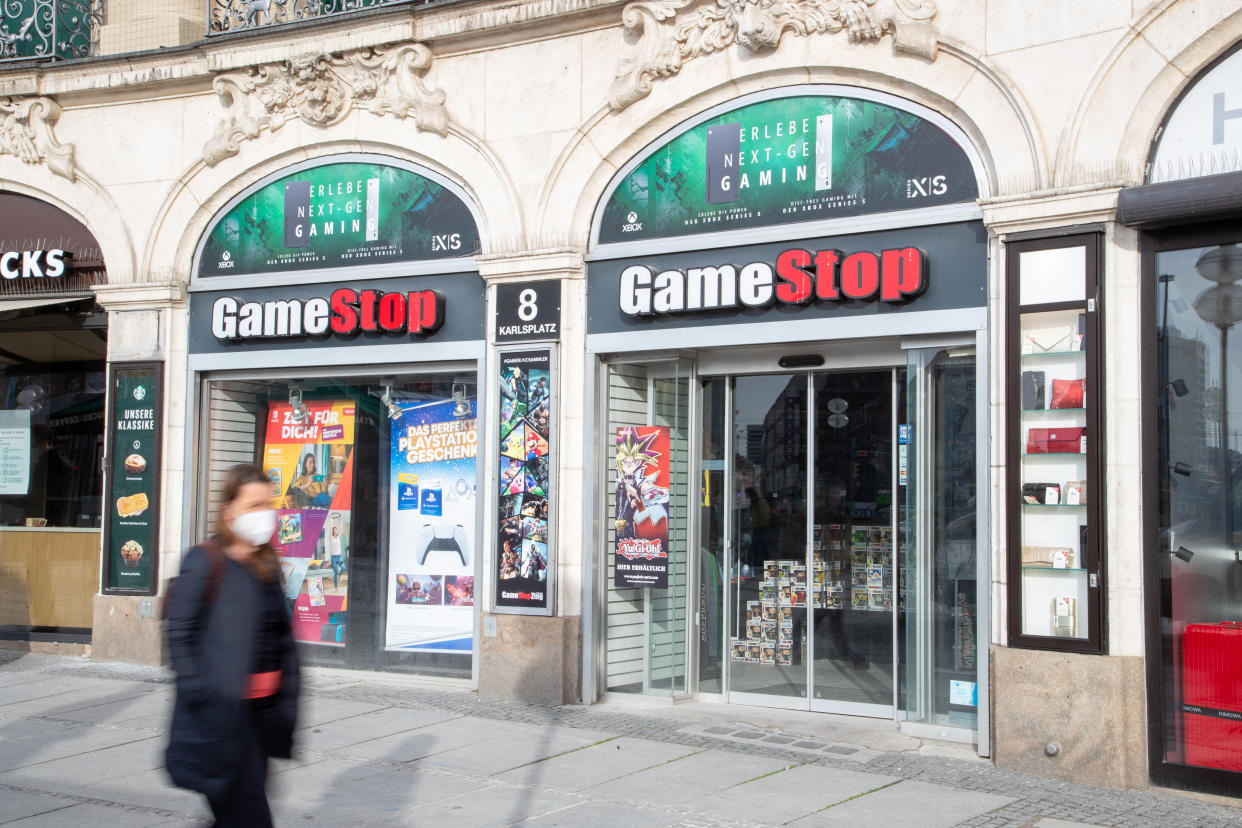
x=1181 y=468
x=299 y=413
x=1179 y=387
x=461 y=406
x=1183 y=554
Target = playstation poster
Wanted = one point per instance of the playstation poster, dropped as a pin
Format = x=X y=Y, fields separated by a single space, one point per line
x=522 y=553
x=431 y=506
x=641 y=508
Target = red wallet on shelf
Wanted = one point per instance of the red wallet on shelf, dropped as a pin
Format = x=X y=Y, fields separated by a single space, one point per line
x=1068 y=393
x=1056 y=440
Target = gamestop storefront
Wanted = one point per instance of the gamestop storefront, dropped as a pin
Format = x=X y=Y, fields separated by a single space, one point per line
x=335 y=336
x=787 y=319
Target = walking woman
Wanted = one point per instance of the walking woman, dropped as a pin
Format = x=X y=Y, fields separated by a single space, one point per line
x=233 y=653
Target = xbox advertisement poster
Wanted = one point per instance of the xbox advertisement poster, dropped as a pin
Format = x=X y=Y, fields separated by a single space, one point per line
x=431 y=545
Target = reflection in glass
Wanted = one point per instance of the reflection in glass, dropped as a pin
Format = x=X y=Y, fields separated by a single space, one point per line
x=854 y=569
x=1199 y=397
x=768 y=571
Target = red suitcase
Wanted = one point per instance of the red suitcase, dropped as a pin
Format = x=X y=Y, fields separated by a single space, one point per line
x=1212 y=695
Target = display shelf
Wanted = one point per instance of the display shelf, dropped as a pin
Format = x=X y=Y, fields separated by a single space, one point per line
x=1052 y=285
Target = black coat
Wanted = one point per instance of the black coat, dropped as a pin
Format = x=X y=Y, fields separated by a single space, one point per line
x=211 y=647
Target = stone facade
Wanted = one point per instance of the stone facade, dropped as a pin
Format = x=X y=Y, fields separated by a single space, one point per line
x=531 y=108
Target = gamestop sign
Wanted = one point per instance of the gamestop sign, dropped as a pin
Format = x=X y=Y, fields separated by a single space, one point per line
x=345 y=312
x=795 y=276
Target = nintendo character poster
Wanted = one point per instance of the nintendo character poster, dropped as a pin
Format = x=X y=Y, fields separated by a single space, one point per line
x=522 y=551
x=432 y=527
x=310 y=462
x=640 y=514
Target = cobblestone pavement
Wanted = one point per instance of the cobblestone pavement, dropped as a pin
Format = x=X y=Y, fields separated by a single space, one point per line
x=81 y=741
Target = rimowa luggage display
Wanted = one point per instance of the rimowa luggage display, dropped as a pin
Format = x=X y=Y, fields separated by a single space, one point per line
x=1212 y=694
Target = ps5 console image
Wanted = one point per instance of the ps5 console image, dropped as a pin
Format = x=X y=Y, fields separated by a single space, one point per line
x=434 y=539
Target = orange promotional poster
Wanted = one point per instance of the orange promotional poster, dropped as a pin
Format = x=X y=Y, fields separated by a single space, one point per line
x=309 y=457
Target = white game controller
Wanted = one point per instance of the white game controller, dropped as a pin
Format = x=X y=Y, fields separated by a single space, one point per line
x=430 y=542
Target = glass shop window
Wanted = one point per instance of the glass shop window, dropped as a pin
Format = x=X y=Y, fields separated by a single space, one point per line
x=51 y=445
x=1198 y=304
x=375 y=485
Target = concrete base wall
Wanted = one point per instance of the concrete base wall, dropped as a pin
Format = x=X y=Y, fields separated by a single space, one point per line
x=1092 y=707
x=530 y=658
x=127 y=629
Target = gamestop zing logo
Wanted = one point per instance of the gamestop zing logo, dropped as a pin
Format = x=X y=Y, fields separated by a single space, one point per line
x=798 y=278
x=345 y=312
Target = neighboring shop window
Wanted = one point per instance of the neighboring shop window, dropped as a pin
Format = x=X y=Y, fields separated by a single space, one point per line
x=375 y=482
x=1055 y=565
x=1198 y=396
x=51 y=445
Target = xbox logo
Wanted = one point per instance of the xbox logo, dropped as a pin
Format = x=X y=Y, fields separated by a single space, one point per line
x=227 y=255
x=632 y=223
x=631 y=217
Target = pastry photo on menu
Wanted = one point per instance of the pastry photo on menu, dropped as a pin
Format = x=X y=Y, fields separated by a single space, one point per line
x=135 y=464
x=132 y=505
x=131 y=553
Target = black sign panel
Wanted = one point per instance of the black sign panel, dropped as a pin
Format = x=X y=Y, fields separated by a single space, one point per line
x=446 y=308
x=942 y=267
x=528 y=311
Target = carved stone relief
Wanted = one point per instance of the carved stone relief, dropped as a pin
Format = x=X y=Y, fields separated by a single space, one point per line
x=322 y=90
x=26 y=133
x=671 y=32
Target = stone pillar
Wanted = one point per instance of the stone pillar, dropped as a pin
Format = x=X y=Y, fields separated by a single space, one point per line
x=1076 y=717
x=146 y=321
x=141 y=25
x=529 y=657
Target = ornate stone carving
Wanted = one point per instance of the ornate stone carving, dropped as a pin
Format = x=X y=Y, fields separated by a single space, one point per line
x=322 y=90
x=26 y=133
x=672 y=32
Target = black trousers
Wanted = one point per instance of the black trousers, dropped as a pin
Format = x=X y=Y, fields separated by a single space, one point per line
x=245 y=805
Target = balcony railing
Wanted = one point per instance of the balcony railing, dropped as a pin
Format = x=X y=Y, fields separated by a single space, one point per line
x=49 y=29
x=230 y=16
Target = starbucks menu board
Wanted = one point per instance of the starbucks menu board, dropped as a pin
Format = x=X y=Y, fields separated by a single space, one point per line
x=132 y=528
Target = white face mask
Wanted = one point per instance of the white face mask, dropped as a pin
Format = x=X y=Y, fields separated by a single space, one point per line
x=255 y=527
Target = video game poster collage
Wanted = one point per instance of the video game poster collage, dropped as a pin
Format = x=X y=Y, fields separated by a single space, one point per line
x=522 y=554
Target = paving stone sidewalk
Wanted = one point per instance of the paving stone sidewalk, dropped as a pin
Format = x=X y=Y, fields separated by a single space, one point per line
x=81 y=743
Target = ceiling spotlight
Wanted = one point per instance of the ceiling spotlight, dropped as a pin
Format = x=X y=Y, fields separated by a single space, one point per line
x=1184 y=554
x=461 y=406
x=1179 y=387
x=394 y=410
x=1181 y=468
x=299 y=414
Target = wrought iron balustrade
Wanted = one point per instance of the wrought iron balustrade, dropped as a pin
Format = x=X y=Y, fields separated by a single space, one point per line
x=51 y=29
x=229 y=16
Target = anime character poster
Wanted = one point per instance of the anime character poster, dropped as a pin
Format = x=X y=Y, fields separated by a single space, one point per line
x=310 y=461
x=431 y=547
x=522 y=553
x=640 y=513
